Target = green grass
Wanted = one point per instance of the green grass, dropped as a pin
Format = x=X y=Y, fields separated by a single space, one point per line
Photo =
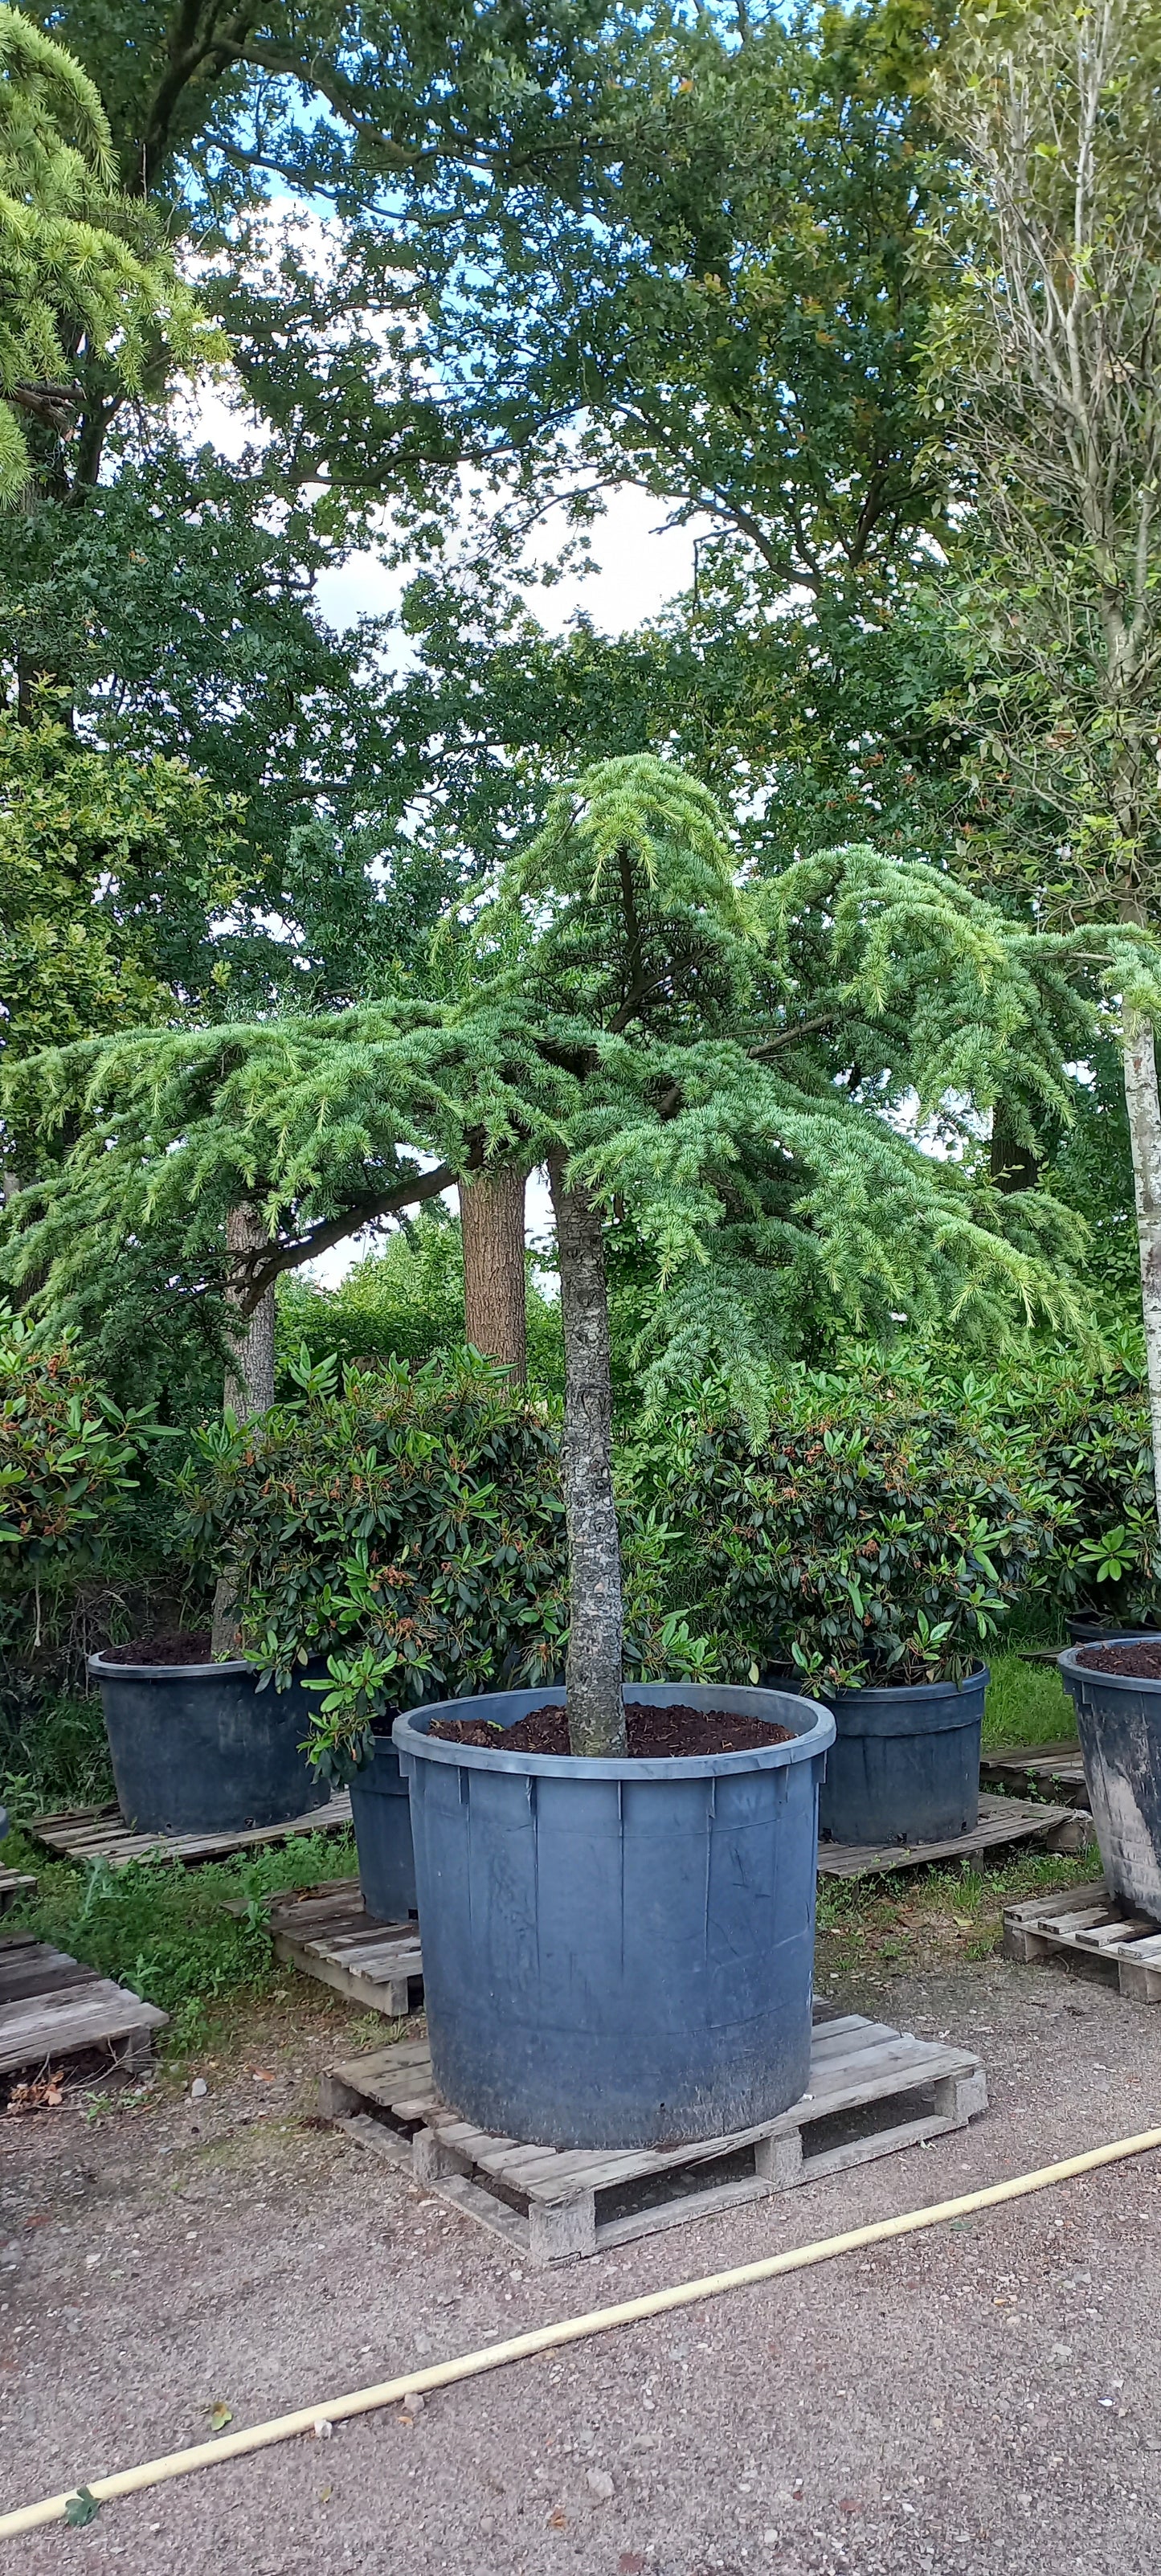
x=164 y=1929
x=1026 y=1704
x=54 y=1753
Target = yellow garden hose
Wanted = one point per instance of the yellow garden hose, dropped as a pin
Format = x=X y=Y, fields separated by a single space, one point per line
x=442 y=2374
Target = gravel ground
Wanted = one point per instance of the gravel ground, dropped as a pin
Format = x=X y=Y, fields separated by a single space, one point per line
x=986 y=2397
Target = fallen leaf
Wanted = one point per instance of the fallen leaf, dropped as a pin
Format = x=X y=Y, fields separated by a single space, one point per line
x=220 y=2415
x=43 y=2093
x=81 y=2508
x=325 y=2494
x=558 y=2522
x=963 y=1922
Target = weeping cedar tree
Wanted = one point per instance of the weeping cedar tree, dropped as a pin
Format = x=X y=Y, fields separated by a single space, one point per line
x=1046 y=363
x=87 y=274
x=725 y=1058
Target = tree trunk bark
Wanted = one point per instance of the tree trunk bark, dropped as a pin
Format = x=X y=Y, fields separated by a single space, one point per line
x=1013 y=1165
x=250 y=1380
x=249 y=1390
x=596 y=1708
x=1144 y=1108
x=495 y=1295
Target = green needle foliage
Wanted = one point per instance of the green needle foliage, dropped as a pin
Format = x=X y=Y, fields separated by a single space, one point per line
x=733 y=1062
x=82 y=267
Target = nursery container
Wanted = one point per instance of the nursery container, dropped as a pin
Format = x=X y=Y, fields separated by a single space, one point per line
x=1092 y=1628
x=617 y=1953
x=906 y=1763
x=1118 y=1720
x=199 y=1749
x=381 y=1809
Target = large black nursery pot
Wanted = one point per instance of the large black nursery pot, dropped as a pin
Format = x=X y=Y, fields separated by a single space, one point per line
x=381 y=1811
x=199 y=1749
x=1118 y=1721
x=617 y=1953
x=906 y=1763
x=1100 y=1628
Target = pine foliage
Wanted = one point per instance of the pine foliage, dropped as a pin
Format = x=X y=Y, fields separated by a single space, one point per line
x=83 y=268
x=738 y=1067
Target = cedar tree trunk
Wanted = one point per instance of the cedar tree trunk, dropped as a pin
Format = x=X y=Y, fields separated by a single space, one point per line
x=249 y=1390
x=250 y=1379
x=596 y=1708
x=1013 y=1165
x=1144 y=1108
x=495 y=1296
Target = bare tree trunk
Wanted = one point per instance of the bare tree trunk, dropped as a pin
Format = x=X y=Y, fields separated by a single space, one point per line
x=249 y=1390
x=1144 y=1108
x=495 y=1293
x=1013 y=1165
x=250 y=1380
x=596 y=1708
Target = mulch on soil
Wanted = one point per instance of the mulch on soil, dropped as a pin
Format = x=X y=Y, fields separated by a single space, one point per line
x=1136 y=1657
x=181 y=1646
x=654 y=1733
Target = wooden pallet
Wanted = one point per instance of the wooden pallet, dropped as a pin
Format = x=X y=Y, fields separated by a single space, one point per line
x=1002 y=1821
x=101 y=1833
x=1050 y=1770
x=553 y=2205
x=1087 y=1923
x=327 y=1932
x=14 y=1883
x=52 y=2006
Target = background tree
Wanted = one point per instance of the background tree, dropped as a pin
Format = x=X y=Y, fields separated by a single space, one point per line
x=1050 y=360
x=86 y=275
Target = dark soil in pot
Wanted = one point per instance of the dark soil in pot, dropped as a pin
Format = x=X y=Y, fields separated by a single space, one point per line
x=655 y=1734
x=1140 y=1658
x=181 y=1646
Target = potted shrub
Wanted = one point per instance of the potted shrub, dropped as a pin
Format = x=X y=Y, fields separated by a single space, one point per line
x=192 y=1748
x=876 y=1541
x=396 y=1539
x=617 y=1908
x=1085 y=1449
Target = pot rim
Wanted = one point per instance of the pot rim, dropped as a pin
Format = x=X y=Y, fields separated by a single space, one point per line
x=914 y=1690
x=817 y=1738
x=104 y=1671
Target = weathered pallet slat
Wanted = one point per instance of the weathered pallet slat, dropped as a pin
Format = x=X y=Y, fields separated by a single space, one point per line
x=554 y=2204
x=53 y=2006
x=101 y=1833
x=1002 y=1821
x=326 y=1932
x=14 y=1883
x=1048 y=1770
x=1086 y=1923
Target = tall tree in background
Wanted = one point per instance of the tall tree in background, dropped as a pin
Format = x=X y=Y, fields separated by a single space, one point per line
x=88 y=279
x=1049 y=359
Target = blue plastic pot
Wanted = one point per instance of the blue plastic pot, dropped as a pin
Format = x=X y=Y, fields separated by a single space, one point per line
x=199 y=1749
x=906 y=1763
x=617 y=1953
x=381 y=1810
x=1118 y=1721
